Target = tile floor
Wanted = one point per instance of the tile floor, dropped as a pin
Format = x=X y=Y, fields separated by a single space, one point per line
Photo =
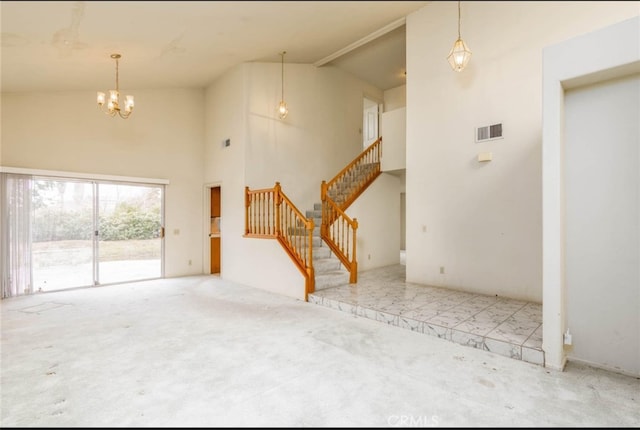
x=508 y=327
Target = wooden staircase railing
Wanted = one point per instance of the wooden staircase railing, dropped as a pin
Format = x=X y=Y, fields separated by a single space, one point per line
x=340 y=236
x=368 y=162
x=338 y=230
x=269 y=214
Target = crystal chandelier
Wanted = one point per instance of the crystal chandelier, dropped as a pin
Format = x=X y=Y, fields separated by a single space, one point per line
x=113 y=104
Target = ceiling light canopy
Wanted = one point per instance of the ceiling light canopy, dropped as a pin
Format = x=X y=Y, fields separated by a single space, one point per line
x=113 y=104
x=460 y=53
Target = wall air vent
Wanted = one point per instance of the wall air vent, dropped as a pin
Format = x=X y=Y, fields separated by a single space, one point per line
x=489 y=132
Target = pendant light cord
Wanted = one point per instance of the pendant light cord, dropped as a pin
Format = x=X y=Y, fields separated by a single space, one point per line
x=458 y=19
x=283 y=52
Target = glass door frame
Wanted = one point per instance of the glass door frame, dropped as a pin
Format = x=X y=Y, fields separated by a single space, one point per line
x=97 y=236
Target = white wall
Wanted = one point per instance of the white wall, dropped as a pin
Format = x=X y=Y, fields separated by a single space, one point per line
x=65 y=131
x=602 y=219
x=319 y=136
x=394 y=145
x=395 y=98
x=393 y=126
x=483 y=222
x=259 y=263
x=378 y=213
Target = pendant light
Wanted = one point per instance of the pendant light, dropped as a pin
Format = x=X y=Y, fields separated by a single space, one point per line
x=460 y=53
x=282 y=107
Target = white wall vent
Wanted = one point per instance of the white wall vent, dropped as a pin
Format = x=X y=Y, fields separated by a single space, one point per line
x=489 y=132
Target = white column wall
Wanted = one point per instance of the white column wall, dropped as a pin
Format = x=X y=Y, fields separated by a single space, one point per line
x=602 y=223
x=585 y=60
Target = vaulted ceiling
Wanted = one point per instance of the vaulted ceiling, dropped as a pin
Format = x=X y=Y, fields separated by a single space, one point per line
x=66 y=45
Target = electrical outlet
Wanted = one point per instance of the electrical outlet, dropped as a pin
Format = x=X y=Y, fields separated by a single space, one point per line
x=567 y=338
x=189 y=262
x=442 y=270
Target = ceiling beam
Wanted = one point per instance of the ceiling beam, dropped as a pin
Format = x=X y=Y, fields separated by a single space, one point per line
x=378 y=33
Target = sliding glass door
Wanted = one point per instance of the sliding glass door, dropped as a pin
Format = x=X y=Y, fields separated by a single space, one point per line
x=63 y=233
x=129 y=232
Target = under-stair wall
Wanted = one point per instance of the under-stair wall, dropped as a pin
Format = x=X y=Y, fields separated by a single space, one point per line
x=377 y=210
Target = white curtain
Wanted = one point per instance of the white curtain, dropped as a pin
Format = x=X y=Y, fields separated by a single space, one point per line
x=15 y=234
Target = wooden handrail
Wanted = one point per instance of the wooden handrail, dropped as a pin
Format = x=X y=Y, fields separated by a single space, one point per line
x=370 y=157
x=337 y=229
x=270 y=214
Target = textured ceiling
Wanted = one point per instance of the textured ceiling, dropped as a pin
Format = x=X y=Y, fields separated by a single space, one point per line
x=66 y=45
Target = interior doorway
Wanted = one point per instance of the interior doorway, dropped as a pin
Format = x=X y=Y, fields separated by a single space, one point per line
x=214 y=231
x=370 y=121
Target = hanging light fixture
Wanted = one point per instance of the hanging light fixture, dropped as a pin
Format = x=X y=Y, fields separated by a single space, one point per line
x=113 y=104
x=460 y=53
x=282 y=107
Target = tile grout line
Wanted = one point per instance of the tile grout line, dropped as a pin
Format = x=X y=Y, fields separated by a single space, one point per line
x=447 y=330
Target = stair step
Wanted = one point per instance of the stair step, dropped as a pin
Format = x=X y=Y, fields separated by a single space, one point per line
x=314 y=214
x=328 y=269
x=331 y=279
x=325 y=265
x=321 y=252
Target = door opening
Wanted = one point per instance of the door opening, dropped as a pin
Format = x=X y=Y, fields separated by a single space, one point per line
x=214 y=232
x=370 y=125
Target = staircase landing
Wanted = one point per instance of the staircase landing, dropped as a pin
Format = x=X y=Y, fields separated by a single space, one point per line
x=512 y=328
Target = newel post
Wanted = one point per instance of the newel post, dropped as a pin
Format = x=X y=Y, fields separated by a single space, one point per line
x=353 y=278
x=246 y=210
x=277 y=190
x=323 y=199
